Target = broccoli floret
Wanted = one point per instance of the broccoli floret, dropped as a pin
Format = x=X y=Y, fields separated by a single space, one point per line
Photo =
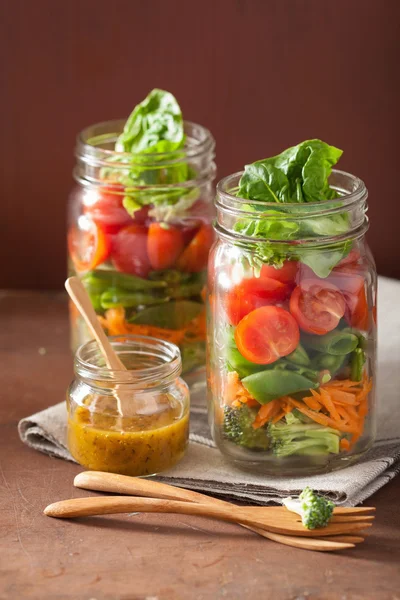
x=293 y=436
x=238 y=428
x=315 y=511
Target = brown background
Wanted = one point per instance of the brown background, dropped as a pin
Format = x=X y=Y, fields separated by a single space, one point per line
x=261 y=74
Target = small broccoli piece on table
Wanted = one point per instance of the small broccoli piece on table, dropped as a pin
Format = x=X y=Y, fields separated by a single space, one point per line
x=315 y=511
x=292 y=436
x=238 y=428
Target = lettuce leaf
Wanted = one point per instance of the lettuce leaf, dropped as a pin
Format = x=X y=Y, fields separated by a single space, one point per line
x=298 y=175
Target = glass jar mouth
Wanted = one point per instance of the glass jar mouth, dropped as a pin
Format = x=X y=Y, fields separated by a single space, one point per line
x=151 y=362
x=95 y=146
x=340 y=180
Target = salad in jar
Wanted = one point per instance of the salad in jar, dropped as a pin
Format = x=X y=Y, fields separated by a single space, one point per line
x=292 y=314
x=140 y=225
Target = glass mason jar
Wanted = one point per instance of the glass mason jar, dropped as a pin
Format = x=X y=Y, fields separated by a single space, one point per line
x=134 y=423
x=292 y=330
x=139 y=232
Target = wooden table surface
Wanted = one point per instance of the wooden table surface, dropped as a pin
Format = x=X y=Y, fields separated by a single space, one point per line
x=142 y=557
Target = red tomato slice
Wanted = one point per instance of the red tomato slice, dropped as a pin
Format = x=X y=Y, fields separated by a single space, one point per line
x=352 y=287
x=195 y=256
x=253 y=293
x=106 y=209
x=317 y=306
x=129 y=252
x=266 y=334
x=286 y=274
x=88 y=247
x=164 y=245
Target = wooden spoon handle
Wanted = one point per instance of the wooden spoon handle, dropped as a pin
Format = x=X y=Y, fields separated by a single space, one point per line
x=85 y=507
x=81 y=299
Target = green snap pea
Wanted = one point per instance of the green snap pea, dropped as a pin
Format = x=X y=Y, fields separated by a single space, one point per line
x=335 y=342
x=114 y=297
x=299 y=356
x=333 y=363
x=269 y=385
x=172 y=315
x=357 y=364
x=101 y=280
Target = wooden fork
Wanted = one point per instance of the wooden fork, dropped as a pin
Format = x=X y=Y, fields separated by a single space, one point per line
x=274 y=519
x=123 y=484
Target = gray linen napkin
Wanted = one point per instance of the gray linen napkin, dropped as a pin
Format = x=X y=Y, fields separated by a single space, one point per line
x=205 y=469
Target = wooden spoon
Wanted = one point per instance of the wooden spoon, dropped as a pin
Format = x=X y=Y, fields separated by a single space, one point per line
x=125 y=400
x=286 y=523
x=123 y=484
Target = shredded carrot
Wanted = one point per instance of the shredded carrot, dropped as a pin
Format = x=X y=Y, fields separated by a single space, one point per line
x=323 y=419
x=115 y=323
x=312 y=403
x=326 y=400
x=341 y=396
x=266 y=412
x=279 y=416
x=344 y=444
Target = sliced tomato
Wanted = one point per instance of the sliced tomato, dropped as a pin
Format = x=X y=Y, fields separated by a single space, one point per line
x=129 y=251
x=317 y=306
x=89 y=245
x=164 y=245
x=253 y=293
x=286 y=274
x=105 y=207
x=266 y=334
x=195 y=256
x=352 y=287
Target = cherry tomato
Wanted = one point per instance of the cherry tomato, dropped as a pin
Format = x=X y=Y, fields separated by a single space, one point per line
x=88 y=247
x=266 y=334
x=164 y=245
x=106 y=209
x=195 y=256
x=350 y=262
x=129 y=251
x=253 y=293
x=352 y=287
x=286 y=274
x=317 y=306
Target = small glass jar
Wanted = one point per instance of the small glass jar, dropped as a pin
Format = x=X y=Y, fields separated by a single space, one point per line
x=139 y=232
x=292 y=330
x=132 y=423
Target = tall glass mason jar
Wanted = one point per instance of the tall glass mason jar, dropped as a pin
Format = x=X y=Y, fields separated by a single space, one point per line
x=139 y=232
x=292 y=330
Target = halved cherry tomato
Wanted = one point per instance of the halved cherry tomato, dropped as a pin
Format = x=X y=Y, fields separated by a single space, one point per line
x=106 y=209
x=129 y=252
x=286 y=274
x=88 y=247
x=266 y=334
x=195 y=256
x=350 y=262
x=253 y=293
x=352 y=287
x=164 y=245
x=317 y=306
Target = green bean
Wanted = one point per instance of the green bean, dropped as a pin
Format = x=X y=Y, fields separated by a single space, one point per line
x=336 y=342
x=269 y=385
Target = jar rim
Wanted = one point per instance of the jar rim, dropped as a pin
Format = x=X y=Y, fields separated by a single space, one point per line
x=199 y=140
x=167 y=355
x=322 y=207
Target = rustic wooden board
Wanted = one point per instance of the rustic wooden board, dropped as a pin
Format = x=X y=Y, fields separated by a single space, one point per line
x=144 y=556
